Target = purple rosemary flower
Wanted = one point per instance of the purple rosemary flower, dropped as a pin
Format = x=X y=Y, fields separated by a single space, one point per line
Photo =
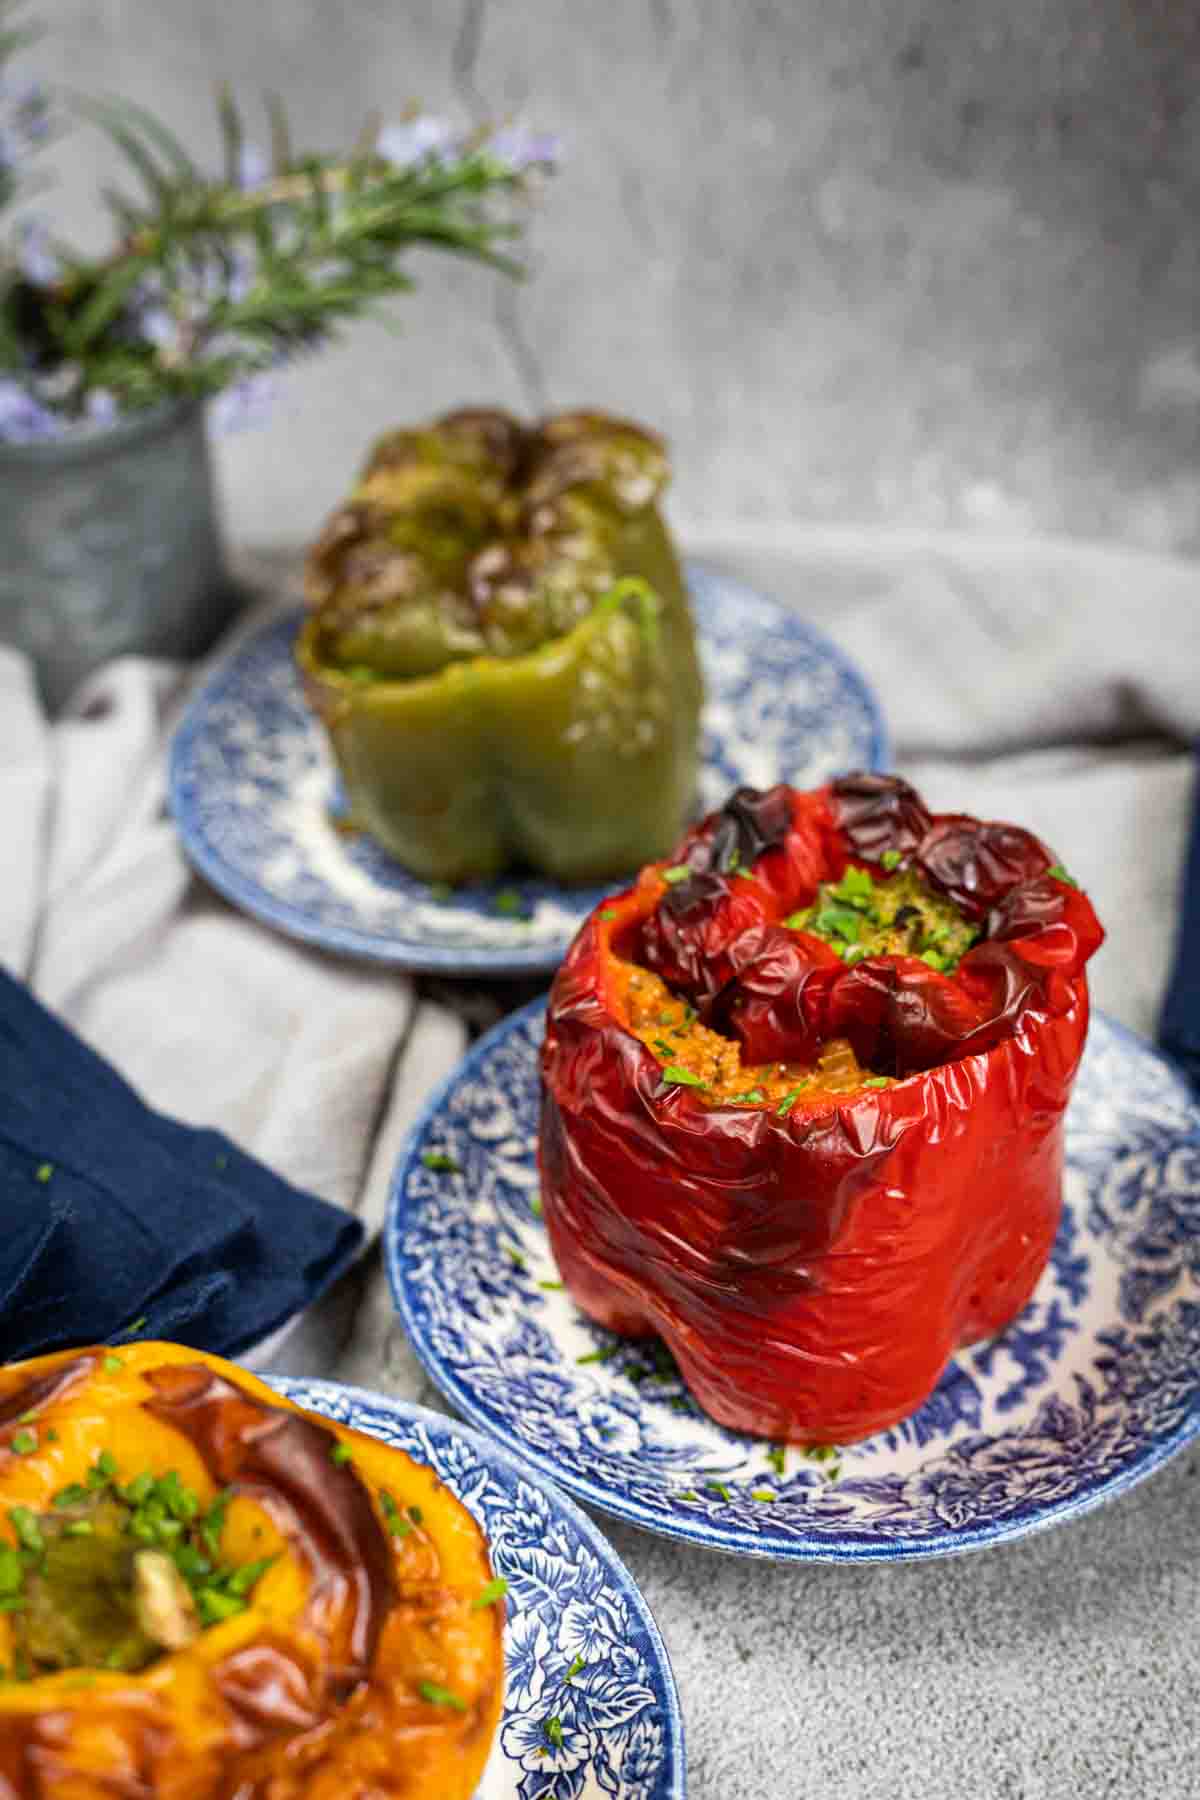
x=36 y=256
x=253 y=167
x=246 y=404
x=100 y=408
x=520 y=149
x=423 y=139
x=23 y=418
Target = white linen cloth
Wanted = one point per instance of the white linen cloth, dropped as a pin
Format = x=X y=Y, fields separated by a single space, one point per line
x=1055 y=685
x=314 y=1064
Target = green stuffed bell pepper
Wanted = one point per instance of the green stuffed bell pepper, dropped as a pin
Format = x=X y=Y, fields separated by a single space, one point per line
x=500 y=646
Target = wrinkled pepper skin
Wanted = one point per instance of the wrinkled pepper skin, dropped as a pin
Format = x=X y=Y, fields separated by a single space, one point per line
x=313 y=1691
x=812 y=1274
x=490 y=699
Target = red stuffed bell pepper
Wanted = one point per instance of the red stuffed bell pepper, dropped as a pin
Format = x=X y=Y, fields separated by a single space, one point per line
x=803 y=1099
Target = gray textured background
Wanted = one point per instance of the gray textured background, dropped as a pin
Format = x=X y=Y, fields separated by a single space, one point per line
x=923 y=260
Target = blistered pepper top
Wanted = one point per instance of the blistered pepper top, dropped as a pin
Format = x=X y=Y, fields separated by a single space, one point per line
x=477 y=535
x=989 y=926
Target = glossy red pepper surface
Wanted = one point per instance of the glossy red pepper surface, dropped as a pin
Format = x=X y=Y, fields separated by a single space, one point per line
x=813 y=1273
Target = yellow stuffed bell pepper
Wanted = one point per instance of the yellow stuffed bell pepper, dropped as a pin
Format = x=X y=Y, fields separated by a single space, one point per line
x=206 y=1592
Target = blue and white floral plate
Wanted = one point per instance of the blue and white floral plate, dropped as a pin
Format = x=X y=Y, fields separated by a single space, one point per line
x=1094 y=1385
x=590 y=1709
x=254 y=794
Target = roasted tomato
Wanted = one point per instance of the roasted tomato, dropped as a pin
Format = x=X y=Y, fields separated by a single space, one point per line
x=803 y=1099
x=207 y=1592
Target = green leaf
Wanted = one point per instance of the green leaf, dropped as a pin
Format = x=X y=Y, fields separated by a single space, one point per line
x=106 y=303
x=135 y=151
x=281 y=135
x=232 y=135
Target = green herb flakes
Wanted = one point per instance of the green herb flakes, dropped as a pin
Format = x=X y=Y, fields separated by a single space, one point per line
x=679 y=872
x=675 y=1076
x=488 y=1596
x=23 y=1442
x=1060 y=874
x=341 y=1453
x=441 y=1162
x=440 y=1696
x=891 y=859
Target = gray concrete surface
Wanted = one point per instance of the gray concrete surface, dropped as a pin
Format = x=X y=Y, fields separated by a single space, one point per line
x=906 y=259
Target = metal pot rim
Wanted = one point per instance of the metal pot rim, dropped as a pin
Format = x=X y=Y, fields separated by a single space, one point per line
x=134 y=429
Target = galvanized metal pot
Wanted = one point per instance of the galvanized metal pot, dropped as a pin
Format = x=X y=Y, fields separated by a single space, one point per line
x=109 y=544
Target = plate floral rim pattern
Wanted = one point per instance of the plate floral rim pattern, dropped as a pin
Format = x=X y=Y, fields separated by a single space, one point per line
x=254 y=797
x=1092 y=1388
x=616 y=1725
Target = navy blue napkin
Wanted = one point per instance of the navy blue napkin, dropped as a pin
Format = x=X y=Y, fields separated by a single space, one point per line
x=118 y=1220
x=1179 y=1025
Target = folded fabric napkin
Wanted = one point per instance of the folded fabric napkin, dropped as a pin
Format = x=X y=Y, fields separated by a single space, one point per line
x=1179 y=1026
x=120 y=1220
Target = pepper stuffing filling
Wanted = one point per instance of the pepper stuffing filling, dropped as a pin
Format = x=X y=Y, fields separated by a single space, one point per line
x=118 y=1573
x=893 y=914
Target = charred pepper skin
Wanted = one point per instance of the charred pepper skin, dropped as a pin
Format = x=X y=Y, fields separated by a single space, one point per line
x=497 y=686
x=813 y=1273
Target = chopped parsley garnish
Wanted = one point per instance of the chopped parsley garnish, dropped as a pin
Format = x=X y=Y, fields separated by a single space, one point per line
x=535 y=1205
x=554 y=1731
x=877 y=1081
x=551 y=1287
x=24 y=1442
x=415 y=1514
x=718 y=1487
x=777 y=1457
x=604 y=1354
x=341 y=1453
x=441 y=1162
x=751 y=1098
x=495 y=1590
x=29 y=1533
x=112 y=1364
x=859 y=917
x=576 y=1668
x=763 y=1494
x=45 y=1171
x=678 y=1077
x=440 y=1696
x=891 y=859
x=789 y=1100
x=678 y=872
x=1060 y=874
x=510 y=903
